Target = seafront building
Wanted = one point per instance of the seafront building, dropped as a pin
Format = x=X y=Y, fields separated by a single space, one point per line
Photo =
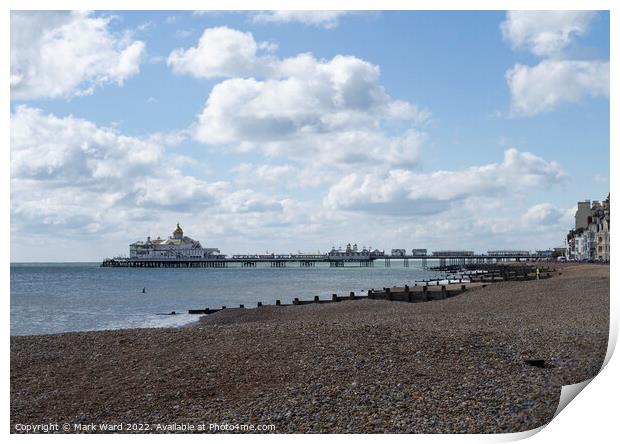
x=352 y=252
x=583 y=216
x=589 y=240
x=177 y=246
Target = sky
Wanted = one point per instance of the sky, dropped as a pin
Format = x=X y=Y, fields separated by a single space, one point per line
x=298 y=131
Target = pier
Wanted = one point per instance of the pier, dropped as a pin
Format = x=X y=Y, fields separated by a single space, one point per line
x=284 y=261
x=181 y=251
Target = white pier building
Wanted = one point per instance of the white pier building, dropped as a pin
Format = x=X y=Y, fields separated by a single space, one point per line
x=352 y=253
x=176 y=246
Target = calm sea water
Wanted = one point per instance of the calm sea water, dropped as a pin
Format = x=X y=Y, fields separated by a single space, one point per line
x=61 y=297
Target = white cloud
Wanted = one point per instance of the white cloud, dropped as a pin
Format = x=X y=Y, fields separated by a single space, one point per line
x=170 y=188
x=265 y=174
x=324 y=19
x=71 y=174
x=79 y=184
x=547 y=214
x=248 y=200
x=313 y=95
x=61 y=54
x=555 y=80
x=543 y=87
x=347 y=149
x=545 y=33
x=220 y=52
x=403 y=192
x=332 y=111
x=70 y=150
x=68 y=170
x=601 y=178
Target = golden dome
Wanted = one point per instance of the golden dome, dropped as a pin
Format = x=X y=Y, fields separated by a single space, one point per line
x=178 y=229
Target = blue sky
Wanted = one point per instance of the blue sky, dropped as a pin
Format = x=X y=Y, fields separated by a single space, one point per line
x=288 y=132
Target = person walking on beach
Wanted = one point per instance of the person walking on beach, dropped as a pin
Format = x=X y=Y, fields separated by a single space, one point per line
x=537 y=273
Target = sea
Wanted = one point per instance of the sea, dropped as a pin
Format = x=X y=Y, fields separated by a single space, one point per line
x=63 y=297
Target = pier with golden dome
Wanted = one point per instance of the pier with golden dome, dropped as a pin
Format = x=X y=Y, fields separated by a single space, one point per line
x=180 y=251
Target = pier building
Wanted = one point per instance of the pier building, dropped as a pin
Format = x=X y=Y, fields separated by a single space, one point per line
x=511 y=253
x=177 y=246
x=352 y=253
x=446 y=253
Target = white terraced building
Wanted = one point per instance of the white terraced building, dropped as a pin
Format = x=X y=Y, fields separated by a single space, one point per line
x=176 y=246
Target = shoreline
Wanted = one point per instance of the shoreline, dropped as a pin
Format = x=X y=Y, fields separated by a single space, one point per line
x=455 y=365
x=446 y=278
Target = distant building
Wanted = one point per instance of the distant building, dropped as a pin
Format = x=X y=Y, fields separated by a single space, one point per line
x=176 y=246
x=419 y=252
x=559 y=251
x=352 y=253
x=453 y=253
x=511 y=253
x=398 y=252
x=583 y=216
x=589 y=240
x=602 y=243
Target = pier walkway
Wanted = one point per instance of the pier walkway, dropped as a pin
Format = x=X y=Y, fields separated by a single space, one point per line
x=283 y=261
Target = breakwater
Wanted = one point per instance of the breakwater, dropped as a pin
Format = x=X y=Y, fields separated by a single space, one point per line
x=455 y=283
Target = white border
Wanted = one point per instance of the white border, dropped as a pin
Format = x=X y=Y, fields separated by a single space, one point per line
x=591 y=417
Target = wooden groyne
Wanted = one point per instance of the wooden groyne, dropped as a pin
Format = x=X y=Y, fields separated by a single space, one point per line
x=403 y=294
x=423 y=291
x=457 y=283
x=492 y=273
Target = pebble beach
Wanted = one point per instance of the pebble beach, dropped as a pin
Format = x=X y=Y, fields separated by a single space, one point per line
x=458 y=365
